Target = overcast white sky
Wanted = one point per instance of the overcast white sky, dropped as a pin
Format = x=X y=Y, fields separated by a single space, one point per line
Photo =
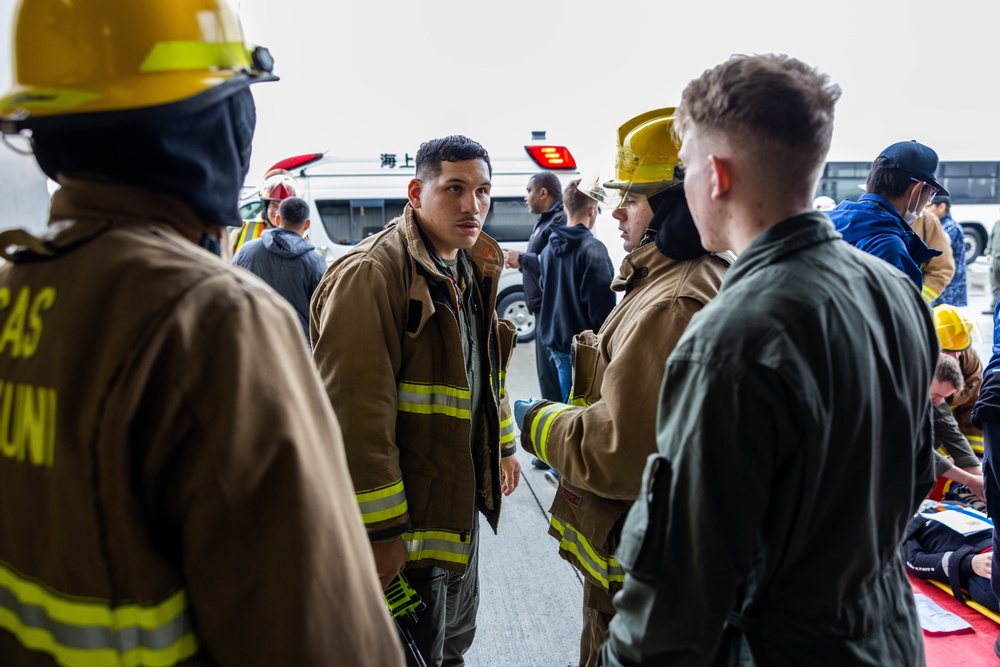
x=366 y=77
x=362 y=78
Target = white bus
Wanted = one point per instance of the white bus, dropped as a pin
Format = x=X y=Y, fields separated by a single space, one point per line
x=974 y=188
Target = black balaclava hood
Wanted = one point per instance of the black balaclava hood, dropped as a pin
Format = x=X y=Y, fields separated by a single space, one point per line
x=201 y=158
x=673 y=227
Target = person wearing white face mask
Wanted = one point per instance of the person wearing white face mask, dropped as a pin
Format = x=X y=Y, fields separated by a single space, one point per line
x=900 y=184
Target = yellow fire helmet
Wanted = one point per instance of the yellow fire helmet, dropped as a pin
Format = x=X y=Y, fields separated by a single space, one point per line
x=645 y=160
x=955 y=331
x=113 y=61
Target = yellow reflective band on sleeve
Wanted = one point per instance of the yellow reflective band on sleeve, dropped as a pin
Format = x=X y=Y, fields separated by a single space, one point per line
x=250 y=231
x=604 y=570
x=976 y=442
x=50 y=98
x=503 y=383
x=506 y=431
x=383 y=503
x=79 y=632
x=541 y=424
x=578 y=401
x=929 y=294
x=179 y=56
x=443 y=545
x=434 y=399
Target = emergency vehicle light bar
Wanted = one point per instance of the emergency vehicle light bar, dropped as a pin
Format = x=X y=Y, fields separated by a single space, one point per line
x=551 y=157
x=295 y=161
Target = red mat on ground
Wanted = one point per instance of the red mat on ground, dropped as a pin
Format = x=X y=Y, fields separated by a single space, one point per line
x=974 y=649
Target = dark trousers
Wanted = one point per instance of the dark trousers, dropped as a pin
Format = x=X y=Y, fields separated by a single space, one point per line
x=991 y=483
x=548 y=375
x=446 y=628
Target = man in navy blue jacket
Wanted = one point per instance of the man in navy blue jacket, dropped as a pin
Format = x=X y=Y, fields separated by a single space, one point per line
x=286 y=261
x=900 y=184
x=576 y=282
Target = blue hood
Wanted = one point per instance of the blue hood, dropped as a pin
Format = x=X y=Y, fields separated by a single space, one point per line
x=284 y=243
x=565 y=238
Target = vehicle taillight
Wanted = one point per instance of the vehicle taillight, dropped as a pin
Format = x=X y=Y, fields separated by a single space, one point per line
x=296 y=161
x=551 y=157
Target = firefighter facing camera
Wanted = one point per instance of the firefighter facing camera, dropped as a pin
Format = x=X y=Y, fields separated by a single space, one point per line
x=147 y=516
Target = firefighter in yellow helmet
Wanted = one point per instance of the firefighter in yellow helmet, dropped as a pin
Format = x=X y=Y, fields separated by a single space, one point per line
x=957 y=333
x=167 y=495
x=599 y=443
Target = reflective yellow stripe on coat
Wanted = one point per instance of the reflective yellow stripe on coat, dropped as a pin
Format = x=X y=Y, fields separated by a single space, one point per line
x=604 y=570
x=79 y=632
x=929 y=294
x=250 y=231
x=443 y=545
x=976 y=442
x=541 y=424
x=382 y=504
x=434 y=399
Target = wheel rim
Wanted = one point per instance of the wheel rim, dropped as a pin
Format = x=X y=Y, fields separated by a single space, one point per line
x=522 y=318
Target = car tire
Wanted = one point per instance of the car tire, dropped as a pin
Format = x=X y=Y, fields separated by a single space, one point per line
x=512 y=306
x=974 y=245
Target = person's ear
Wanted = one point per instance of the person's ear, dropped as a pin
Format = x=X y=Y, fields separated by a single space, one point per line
x=413 y=191
x=721 y=176
x=277 y=220
x=306 y=228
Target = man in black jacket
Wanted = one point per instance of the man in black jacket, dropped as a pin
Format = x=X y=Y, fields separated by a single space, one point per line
x=576 y=283
x=545 y=200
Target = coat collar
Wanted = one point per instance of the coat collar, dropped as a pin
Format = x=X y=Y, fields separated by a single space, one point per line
x=83 y=201
x=485 y=253
x=787 y=237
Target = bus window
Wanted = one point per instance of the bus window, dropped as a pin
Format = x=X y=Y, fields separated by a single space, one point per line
x=348 y=221
x=509 y=219
x=970 y=182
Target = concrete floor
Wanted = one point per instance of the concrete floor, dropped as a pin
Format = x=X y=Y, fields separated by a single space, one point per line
x=531 y=599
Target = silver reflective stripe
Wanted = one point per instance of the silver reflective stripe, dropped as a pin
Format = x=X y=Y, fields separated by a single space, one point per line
x=507 y=430
x=441 y=399
x=81 y=632
x=541 y=423
x=381 y=504
x=604 y=570
x=443 y=545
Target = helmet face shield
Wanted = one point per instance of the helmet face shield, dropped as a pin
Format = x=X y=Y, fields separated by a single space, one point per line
x=645 y=160
x=633 y=174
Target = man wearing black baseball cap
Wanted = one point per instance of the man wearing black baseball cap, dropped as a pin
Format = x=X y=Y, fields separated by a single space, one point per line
x=900 y=184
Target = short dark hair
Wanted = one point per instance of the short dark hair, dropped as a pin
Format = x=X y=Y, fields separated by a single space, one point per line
x=549 y=181
x=574 y=201
x=887 y=182
x=454 y=148
x=779 y=110
x=942 y=199
x=949 y=371
x=293 y=210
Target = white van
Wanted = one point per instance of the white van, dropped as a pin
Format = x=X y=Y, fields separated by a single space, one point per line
x=351 y=199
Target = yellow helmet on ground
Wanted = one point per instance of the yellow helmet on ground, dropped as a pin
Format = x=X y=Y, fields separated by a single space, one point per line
x=646 y=160
x=104 y=60
x=955 y=331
